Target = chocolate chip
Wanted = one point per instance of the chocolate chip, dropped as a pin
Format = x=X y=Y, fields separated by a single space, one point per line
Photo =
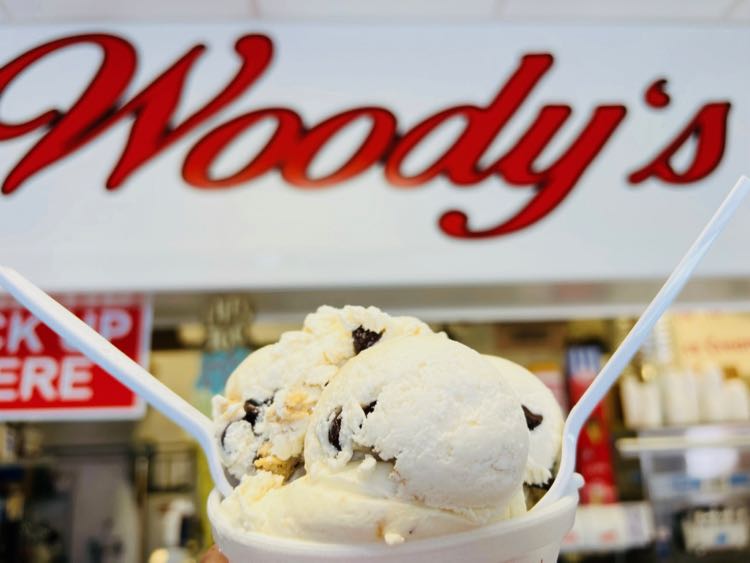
x=532 y=420
x=369 y=408
x=364 y=338
x=252 y=409
x=334 y=431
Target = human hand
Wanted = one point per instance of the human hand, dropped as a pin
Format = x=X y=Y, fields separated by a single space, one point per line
x=213 y=555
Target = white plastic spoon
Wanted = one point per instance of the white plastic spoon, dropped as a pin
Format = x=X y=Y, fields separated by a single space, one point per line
x=127 y=371
x=635 y=338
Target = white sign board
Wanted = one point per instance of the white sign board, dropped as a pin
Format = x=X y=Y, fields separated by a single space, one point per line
x=164 y=157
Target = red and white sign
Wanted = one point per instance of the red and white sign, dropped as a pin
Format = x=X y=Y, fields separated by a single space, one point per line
x=268 y=156
x=41 y=378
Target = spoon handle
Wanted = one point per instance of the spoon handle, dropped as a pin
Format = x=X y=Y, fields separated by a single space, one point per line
x=637 y=335
x=124 y=369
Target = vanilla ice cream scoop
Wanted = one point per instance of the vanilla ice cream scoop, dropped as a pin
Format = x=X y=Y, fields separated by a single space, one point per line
x=262 y=419
x=357 y=503
x=544 y=419
x=451 y=433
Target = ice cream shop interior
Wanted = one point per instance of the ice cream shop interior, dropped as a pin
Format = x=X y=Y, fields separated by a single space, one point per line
x=346 y=268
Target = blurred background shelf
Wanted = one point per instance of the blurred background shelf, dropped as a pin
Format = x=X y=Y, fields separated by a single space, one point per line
x=670 y=440
x=26 y=463
x=610 y=528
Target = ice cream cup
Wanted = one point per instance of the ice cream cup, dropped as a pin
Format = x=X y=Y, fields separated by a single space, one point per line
x=535 y=537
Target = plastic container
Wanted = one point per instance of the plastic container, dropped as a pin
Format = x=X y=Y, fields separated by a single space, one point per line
x=533 y=538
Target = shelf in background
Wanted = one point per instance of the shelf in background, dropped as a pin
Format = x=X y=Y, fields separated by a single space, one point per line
x=671 y=440
x=26 y=463
x=610 y=527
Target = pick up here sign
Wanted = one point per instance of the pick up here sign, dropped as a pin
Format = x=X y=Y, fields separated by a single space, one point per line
x=42 y=377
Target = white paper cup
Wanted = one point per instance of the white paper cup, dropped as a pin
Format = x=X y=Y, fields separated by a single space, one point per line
x=533 y=538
